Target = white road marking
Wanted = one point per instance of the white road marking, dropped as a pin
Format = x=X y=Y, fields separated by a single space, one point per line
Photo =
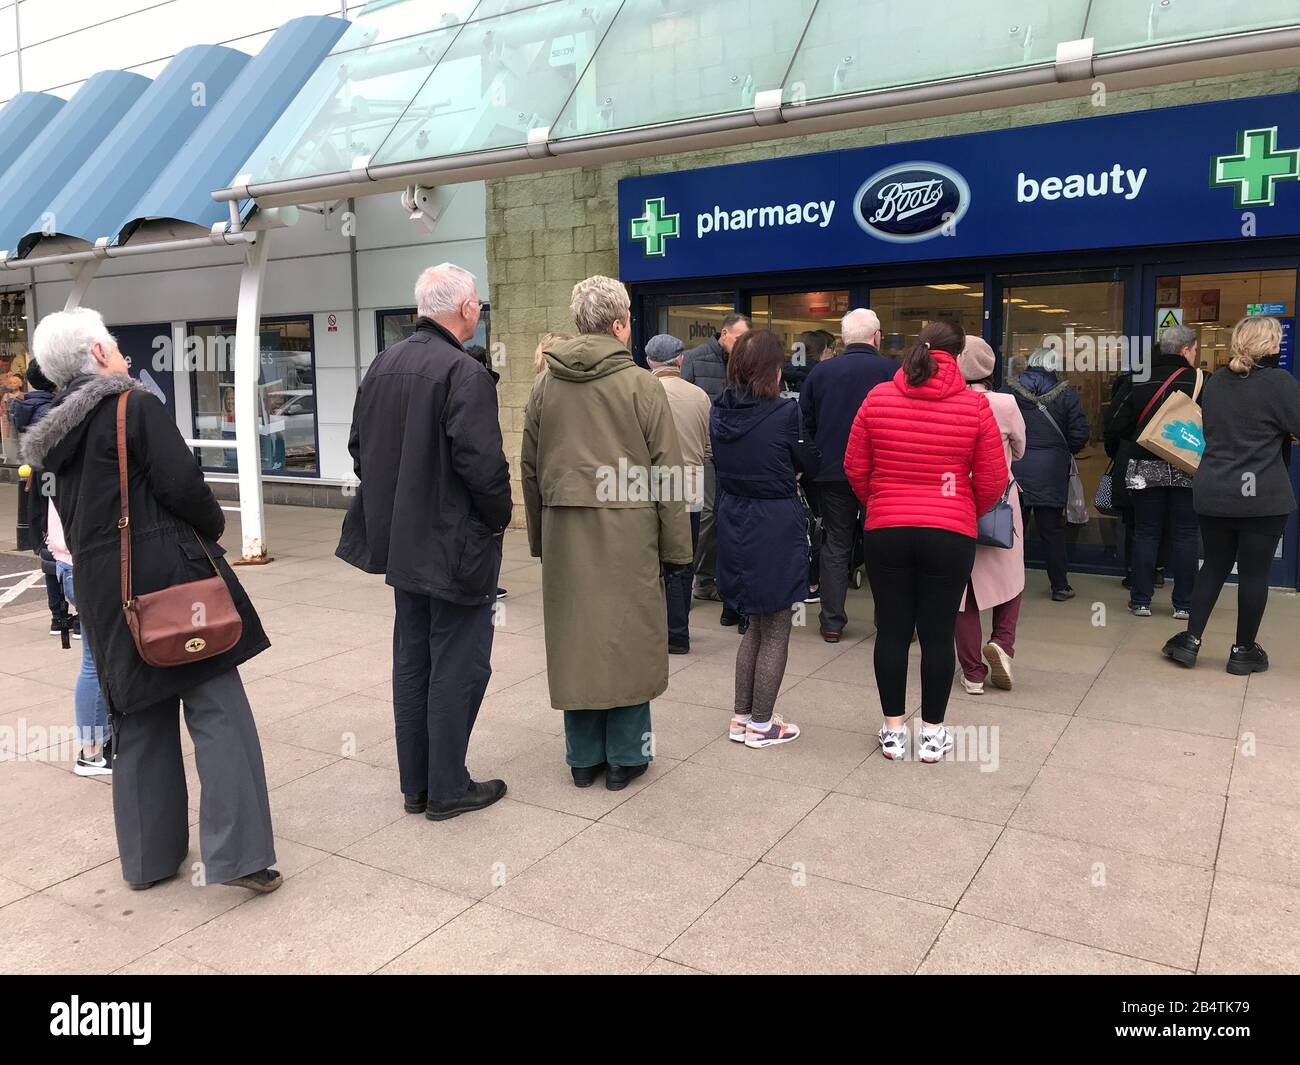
x=12 y=593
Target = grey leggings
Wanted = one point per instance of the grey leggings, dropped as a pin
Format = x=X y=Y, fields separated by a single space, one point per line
x=760 y=663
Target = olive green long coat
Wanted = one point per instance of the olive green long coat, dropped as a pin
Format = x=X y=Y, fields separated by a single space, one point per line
x=597 y=429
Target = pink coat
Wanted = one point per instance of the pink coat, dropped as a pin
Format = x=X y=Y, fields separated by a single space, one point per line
x=999 y=573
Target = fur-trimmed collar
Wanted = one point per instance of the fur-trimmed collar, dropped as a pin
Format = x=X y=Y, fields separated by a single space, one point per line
x=70 y=408
x=1033 y=397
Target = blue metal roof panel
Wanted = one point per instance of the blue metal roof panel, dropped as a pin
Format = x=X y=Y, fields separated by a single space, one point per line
x=21 y=119
x=236 y=125
x=94 y=202
x=60 y=150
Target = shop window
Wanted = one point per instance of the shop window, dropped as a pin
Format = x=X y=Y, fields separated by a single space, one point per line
x=905 y=310
x=286 y=393
x=1213 y=303
x=13 y=366
x=393 y=325
x=691 y=318
x=789 y=314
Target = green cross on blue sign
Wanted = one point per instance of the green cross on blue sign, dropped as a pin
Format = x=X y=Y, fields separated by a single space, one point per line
x=1254 y=171
x=655 y=227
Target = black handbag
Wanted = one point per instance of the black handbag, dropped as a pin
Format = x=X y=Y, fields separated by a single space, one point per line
x=997 y=527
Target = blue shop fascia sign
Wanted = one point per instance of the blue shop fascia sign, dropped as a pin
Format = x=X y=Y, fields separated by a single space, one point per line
x=1203 y=172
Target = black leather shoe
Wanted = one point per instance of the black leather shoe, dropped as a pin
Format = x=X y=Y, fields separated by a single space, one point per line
x=584 y=776
x=618 y=777
x=1243 y=660
x=679 y=648
x=476 y=797
x=415 y=804
x=730 y=617
x=1182 y=648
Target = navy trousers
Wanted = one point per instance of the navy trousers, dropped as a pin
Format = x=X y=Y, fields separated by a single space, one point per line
x=442 y=659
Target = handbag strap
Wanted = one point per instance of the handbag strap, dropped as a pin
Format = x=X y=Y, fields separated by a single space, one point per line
x=1160 y=392
x=124 y=507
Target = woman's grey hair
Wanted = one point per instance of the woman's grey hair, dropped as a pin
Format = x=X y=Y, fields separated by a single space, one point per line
x=1045 y=358
x=1177 y=337
x=444 y=289
x=1017 y=365
x=599 y=302
x=62 y=343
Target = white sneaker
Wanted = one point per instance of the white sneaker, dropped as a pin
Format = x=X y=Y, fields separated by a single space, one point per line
x=774 y=732
x=935 y=744
x=999 y=666
x=972 y=687
x=1181 y=615
x=893 y=745
x=739 y=722
x=86 y=766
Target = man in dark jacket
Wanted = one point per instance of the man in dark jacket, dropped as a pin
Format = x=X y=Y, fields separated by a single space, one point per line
x=429 y=513
x=174 y=522
x=706 y=366
x=830 y=400
x=1056 y=429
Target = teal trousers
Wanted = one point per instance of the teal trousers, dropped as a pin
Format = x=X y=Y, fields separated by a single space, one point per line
x=620 y=736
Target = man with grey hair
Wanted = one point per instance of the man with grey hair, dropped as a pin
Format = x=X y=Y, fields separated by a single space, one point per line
x=429 y=513
x=829 y=401
x=690 y=406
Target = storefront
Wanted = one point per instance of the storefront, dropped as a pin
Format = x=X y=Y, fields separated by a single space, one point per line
x=1083 y=236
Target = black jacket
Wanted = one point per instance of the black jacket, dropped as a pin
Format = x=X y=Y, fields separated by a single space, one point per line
x=832 y=397
x=1043 y=472
x=1131 y=397
x=706 y=366
x=434 y=496
x=76 y=441
x=26 y=412
x=758 y=448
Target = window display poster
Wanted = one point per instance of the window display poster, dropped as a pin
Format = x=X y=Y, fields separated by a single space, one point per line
x=139 y=343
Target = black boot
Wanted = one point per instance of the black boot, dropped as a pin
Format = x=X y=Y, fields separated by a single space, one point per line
x=584 y=776
x=730 y=617
x=1244 y=660
x=477 y=796
x=617 y=777
x=1182 y=648
x=415 y=804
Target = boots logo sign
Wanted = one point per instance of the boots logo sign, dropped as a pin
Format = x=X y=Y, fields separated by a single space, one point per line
x=911 y=202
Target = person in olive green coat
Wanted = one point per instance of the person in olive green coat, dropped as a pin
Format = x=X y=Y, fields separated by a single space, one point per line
x=603 y=495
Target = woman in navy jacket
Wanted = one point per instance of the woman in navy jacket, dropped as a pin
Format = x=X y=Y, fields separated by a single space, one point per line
x=759 y=451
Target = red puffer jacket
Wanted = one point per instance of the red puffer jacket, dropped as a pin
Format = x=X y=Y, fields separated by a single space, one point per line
x=929 y=456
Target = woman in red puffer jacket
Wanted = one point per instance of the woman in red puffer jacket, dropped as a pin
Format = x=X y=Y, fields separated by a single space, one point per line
x=925 y=459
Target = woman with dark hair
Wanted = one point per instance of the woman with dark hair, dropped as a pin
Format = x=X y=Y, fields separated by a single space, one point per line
x=925 y=458
x=759 y=452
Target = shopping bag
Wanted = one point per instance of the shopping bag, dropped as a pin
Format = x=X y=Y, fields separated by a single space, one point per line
x=997 y=526
x=1174 y=433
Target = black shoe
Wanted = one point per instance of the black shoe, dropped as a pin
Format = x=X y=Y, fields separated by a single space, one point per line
x=264 y=881
x=502 y=593
x=742 y=626
x=830 y=635
x=1127 y=582
x=584 y=776
x=477 y=795
x=730 y=617
x=415 y=804
x=1060 y=595
x=58 y=623
x=150 y=883
x=1244 y=660
x=1182 y=648
x=1160 y=578
x=618 y=777
x=76 y=626
x=679 y=648
x=706 y=592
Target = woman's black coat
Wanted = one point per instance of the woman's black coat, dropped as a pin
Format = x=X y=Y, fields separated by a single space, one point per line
x=1043 y=472
x=76 y=441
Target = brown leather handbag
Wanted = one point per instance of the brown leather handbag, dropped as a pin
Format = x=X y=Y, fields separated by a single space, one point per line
x=181 y=624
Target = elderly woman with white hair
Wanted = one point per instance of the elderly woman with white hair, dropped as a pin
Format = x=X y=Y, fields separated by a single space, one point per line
x=172 y=528
x=603 y=494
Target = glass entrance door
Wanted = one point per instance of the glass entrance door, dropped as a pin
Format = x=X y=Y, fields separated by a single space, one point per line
x=905 y=309
x=1073 y=325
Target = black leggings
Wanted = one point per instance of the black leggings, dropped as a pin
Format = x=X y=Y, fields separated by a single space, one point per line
x=1250 y=543
x=917 y=580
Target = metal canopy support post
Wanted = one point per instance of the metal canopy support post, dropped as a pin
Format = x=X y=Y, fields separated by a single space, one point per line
x=82 y=275
x=248 y=365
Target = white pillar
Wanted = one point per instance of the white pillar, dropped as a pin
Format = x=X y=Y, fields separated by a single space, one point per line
x=248 y=365
x=82 y=275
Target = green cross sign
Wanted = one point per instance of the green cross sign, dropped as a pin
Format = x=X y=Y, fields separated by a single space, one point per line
x=1254 y=171
x=655 y=227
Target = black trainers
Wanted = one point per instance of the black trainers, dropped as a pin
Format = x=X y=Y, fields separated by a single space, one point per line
x=76 y=626
x=1182 y=648
x=97 y=766
x=58 y=623
x=502 y=593
x=1244 y=660
x=476 y=797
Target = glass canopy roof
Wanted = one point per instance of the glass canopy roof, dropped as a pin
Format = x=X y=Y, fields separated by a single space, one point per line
x=423 y=79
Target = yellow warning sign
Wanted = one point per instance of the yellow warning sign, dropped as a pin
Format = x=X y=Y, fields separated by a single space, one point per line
x=1167 y=316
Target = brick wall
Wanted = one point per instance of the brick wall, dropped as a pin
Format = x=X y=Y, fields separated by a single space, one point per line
x=545 y=232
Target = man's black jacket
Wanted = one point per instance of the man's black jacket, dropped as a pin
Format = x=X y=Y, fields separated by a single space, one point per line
x=434 y=495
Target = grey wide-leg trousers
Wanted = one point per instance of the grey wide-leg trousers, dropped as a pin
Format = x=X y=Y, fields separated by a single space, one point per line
x=150 y=799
